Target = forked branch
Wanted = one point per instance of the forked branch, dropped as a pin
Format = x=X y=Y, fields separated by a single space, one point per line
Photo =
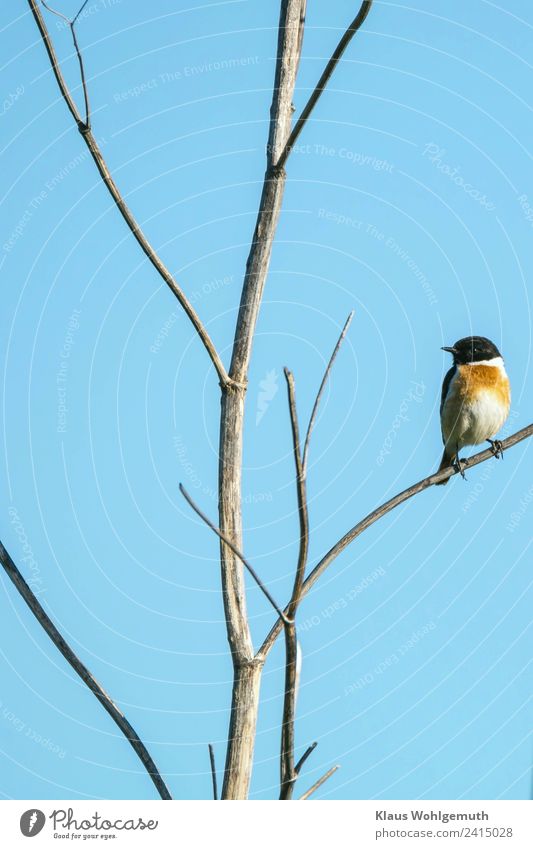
x=94 y=150
x=72 y=26
x=60 y=643
x=355 y=25
x=288 y=771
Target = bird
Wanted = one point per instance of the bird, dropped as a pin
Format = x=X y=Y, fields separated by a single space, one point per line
x=475 y=400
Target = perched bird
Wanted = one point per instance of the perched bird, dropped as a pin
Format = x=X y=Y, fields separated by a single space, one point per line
x=475 y=402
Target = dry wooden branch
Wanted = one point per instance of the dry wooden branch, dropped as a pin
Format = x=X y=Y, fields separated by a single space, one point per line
x=60 y=643
x=320 y=392
x=324 y=79
x=94 y=149
x=72 y=26
x=213 y=771
x=288 y=773
x=248 y=668
x=309 y=751
x=381 y=511
x=235 y=550
x=319 y=783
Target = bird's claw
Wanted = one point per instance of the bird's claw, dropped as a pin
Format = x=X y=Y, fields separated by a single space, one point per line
x=460 y=465
x=496 y=446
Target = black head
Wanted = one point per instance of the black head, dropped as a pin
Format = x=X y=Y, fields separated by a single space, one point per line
x=473 y=349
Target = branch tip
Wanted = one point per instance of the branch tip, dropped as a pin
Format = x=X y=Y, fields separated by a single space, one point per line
x=320 y=782
x=309 y=751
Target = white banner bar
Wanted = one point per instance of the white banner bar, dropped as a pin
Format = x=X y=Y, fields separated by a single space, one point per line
x=267 y=825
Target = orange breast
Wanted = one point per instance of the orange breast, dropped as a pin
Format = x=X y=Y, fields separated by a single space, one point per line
x=474 y=379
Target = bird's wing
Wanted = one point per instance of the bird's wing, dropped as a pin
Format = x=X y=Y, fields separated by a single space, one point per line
x=445 y=386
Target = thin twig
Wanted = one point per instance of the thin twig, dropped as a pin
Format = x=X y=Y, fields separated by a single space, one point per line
x=56 y=12
x=114 y=712
x=288 y=773
x=321 y=390
x=87 y=121
x=126 y=213
x=326 y=74
x=308 y=751
x=381 y=511
x=235 y=550
x=320 y=782
x=71 y=25
x=213 y=772
x=80 y=10
x=302 y=497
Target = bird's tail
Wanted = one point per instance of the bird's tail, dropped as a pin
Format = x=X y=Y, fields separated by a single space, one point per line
x=444 y=464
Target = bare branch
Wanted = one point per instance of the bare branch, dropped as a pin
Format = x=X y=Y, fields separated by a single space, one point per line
x=288 y=773
x=87 y=121
x=381 y=511
x=80 y=10
x=321 y=391
x=235 y=550
x=326 y=74
x=213 y=772
x=320 y=782
x=308 y=751
x=247 y=668
x=126 y=213
x=63 y=88
x=302 y=498
x=60 y=643
x=71 y=25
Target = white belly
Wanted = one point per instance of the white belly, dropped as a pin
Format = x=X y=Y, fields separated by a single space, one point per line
x=471 y=424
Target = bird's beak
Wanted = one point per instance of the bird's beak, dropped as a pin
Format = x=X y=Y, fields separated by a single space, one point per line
x=450 y=350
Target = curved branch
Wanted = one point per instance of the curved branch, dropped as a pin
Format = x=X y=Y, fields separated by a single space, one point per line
x=302 y=498
x=126 y=213
x=321 y=391
x=323 y=81
x=381 y=511
x=235 y=550
x=309 y=751
x=114 y=712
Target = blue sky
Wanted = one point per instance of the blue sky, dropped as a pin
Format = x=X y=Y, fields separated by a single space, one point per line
x=410 y=201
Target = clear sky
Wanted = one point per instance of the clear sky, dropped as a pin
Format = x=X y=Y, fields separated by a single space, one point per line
x=409 y=200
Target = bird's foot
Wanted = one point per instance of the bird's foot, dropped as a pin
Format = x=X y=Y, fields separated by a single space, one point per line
x=460 y=464
x=496 y=446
